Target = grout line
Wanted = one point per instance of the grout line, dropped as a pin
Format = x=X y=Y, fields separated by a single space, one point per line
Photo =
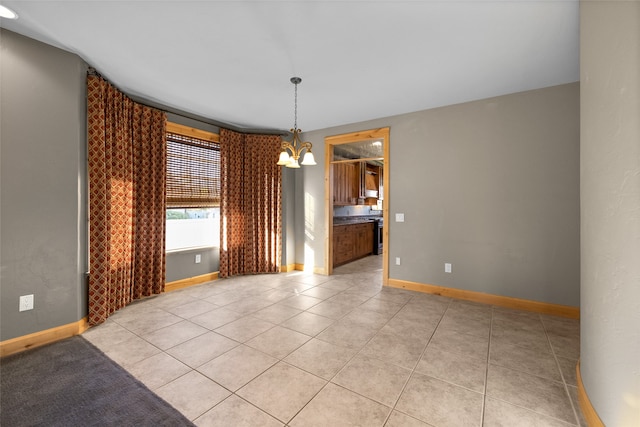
x=486 y=372
x=334 y=375
x=359 y=352
x=564 y=381
x=413 y=370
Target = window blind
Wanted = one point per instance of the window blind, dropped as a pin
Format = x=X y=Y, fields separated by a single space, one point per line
x=193 y=172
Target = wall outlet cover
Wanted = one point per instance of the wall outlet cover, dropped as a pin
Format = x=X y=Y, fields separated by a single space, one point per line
x=447 y=267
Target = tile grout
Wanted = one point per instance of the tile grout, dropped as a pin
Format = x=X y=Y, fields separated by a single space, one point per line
x=250 y=292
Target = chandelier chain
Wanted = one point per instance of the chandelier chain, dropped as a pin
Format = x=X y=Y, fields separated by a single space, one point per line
x=295 y=107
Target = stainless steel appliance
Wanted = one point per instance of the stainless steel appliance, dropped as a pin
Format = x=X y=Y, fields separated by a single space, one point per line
x=378 y=226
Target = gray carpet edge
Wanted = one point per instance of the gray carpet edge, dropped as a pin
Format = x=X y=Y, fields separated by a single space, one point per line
x=73 y=383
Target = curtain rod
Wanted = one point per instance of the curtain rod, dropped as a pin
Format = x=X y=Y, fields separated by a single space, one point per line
x=208 y=120
x=93 y=72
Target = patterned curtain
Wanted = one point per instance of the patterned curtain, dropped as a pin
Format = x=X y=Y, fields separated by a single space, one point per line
x=250 y=204
x=127 y=157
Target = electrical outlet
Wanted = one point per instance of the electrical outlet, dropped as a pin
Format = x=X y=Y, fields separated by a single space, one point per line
x=399 y=217
x=397 y=260
x=198 y=259
x=26 y=302
x=447 y=267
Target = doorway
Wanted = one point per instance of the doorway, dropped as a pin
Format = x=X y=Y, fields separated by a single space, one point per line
x=371 y=147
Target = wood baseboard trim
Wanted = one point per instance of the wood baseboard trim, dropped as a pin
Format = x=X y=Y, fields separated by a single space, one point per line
x=37 y=339
x=287 y=268
x=300 y=267
x=319 y=270
x=588 y=411
x=501 y=301
x=190 y=281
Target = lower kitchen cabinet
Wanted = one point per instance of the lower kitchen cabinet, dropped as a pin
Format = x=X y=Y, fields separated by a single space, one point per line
x=352 y=241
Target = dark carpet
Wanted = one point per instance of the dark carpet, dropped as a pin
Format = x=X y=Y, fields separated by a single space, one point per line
x=72 y=383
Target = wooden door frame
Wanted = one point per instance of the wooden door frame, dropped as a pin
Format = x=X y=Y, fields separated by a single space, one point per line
x=346 y=138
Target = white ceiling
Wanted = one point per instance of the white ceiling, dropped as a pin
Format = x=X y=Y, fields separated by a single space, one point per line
x=231 y=61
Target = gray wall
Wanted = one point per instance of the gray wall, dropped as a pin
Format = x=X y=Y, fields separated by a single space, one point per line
x=288 y=216
x=182 y=265
x=610 y=197
x=43 y=189
x=309 y=225
x=491 y=186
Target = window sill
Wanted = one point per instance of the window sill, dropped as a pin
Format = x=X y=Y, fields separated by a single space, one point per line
x=191 y=249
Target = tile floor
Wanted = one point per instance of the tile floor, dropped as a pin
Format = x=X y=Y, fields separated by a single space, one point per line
x=299 y=349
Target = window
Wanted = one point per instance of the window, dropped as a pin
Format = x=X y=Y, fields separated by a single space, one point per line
x=192 y=228
x=193 y=188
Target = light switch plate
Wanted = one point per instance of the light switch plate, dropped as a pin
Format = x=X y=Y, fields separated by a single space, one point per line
x=26 y=302
x=399 y=217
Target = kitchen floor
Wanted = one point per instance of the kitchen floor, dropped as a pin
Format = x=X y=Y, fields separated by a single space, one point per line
x=299 y=349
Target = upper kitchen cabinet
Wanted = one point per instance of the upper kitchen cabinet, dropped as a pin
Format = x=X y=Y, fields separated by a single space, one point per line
x=345 y=183
x=356 y=183
x=357 y=173
x=369 y=183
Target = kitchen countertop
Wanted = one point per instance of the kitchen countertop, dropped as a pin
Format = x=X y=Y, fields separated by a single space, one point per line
x=337 y=220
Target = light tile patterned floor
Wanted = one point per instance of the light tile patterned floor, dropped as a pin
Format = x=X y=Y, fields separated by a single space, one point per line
x=299 y=349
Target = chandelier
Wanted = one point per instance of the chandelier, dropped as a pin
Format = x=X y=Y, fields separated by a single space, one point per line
x=296 y=146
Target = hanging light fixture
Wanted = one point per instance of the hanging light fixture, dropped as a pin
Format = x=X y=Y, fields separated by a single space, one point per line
x=296 y=146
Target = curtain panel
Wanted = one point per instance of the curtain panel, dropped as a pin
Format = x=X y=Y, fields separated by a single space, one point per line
x=127 y=170
x=250 y=204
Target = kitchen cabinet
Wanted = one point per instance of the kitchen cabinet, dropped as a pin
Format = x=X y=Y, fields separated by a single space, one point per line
x=342 y=245
x=369 y=183
x=352 y=241
x=356 y=183
x=345 y=179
